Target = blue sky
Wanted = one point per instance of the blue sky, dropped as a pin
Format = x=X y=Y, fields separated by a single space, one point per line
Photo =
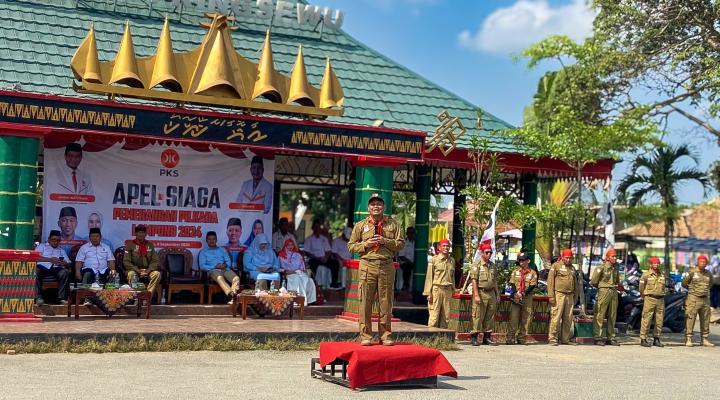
x=466 y=46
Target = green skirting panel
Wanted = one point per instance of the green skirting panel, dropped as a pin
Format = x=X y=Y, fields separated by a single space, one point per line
x=18 y=179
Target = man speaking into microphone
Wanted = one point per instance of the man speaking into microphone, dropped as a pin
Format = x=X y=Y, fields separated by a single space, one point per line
x=376 y=239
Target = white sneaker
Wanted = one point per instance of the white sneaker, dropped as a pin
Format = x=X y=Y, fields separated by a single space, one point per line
x=87 y=303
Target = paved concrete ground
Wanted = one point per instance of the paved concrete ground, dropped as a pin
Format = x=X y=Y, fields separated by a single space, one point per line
x=501 y=372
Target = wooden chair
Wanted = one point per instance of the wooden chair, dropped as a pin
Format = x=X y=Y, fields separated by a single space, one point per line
x=119 y=266
x=177 y=265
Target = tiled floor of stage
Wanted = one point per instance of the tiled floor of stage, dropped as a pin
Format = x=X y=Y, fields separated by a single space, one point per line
x=100 y=325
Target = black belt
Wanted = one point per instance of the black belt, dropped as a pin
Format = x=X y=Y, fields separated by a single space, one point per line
x=698 y=296
x=487 y=290
x=656 y=296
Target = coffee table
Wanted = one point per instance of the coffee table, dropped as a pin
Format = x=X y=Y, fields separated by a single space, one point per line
x=242 y=301
x=76 y=294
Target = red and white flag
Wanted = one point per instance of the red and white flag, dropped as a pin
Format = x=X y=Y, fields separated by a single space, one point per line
x=489 y=234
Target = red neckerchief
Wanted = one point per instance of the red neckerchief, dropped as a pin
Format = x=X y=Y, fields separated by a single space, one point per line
x=378 y=230
x=142 y=247
x=523 y=272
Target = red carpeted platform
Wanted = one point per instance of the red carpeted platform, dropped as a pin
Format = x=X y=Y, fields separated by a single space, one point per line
x=377 y=364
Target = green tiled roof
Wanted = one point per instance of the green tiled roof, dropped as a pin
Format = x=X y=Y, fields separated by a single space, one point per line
x=39 y=37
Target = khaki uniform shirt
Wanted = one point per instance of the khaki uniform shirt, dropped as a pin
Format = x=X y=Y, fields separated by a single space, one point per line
x=561 y=278
x=441 y=272
x=531 y=278
x=364 y=230
x=133 y=261
x=698 y=282
x=606 y=276
x=652 y=283
x=484 y=273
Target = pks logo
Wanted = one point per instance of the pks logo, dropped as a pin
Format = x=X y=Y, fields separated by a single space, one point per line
x=169 y=159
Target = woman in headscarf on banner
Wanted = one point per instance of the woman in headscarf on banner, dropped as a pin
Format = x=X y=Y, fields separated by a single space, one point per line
x=293 y=264
x=261 y=262
x=257 y=228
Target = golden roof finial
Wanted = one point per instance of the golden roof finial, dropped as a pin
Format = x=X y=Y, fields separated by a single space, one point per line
x=213 y=73
x=267 y=83
x=299 y=87
x=331 y=94
x=164 y=70
x=85 y=63
x=125 y=70
x=216 y=77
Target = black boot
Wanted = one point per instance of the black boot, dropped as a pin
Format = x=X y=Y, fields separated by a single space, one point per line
x=486 y=339
x=474 y=339
x=645 y=343
x=657 y=342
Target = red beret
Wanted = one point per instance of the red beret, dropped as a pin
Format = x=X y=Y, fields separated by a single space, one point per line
x=444 y=241
x=702 y=257
x=485 y=246
x=610 y=252
x=654 y=260
x=566 y=253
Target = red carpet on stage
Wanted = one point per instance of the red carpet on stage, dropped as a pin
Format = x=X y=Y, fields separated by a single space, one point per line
x=372 y=365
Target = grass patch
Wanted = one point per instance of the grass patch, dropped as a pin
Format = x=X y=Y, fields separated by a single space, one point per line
x=171 y=343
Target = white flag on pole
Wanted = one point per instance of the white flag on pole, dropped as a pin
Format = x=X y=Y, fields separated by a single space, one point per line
x=606 y=215
x=489 y=234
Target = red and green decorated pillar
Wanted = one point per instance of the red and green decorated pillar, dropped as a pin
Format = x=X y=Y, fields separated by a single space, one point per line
x=18 y=180
x=369 y=180
x=422 y=230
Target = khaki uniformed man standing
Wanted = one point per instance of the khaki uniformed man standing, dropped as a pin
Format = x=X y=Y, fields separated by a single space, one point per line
x=563 y=291
x=606 y=278
x=697 y=282
x=141 y=260
x=652 y=289
x=377 y=239
x=439 y=286
x=485 y=295
x=524 y=280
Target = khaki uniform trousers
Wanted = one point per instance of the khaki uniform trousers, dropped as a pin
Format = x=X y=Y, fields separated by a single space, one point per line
x=376 y=280
x=561 y=315
x=652 y=306
x=483 y=313
x=440 y=307
x=697 y=306
x=222 y=277
x=605 y=307
x=153 y=280
x=520 y=319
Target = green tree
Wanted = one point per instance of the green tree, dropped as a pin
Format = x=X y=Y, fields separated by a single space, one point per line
x=669 y=48
x=567 y=119
x=658 y=174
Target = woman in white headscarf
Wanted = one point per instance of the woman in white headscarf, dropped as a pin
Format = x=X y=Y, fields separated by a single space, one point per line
x=261 y=262
x=293 y=264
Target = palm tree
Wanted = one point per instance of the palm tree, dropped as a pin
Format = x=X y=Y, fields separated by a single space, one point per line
x=656 y=174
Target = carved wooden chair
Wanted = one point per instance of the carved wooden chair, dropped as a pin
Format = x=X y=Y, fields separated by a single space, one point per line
x=176 y=264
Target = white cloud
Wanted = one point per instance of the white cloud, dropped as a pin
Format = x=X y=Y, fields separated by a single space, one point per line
x=512 y=29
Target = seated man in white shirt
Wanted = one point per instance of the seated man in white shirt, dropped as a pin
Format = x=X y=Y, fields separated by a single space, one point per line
x=317 y=248
x=52 y=262
x=94 y=259
x=282 y=234
x=406 y=258
x=340 y=249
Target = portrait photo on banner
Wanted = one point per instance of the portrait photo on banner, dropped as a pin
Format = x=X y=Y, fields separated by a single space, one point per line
x=177 y=192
